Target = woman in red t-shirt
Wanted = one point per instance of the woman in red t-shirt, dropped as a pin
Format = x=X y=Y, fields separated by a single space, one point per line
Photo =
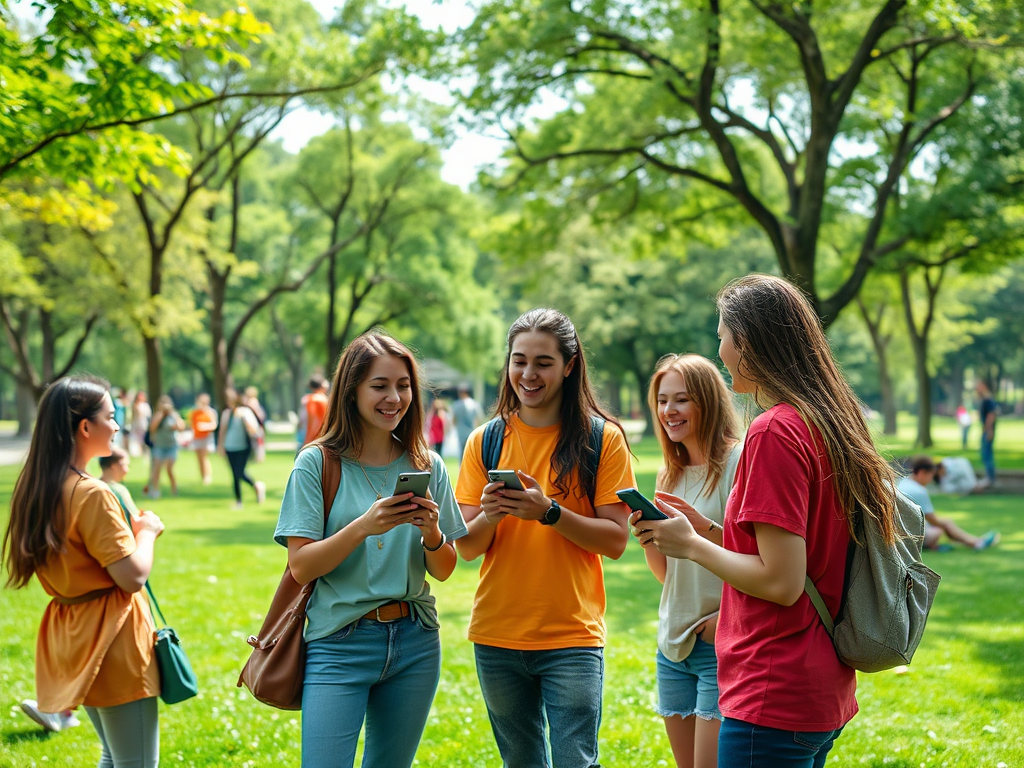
x=806 y=460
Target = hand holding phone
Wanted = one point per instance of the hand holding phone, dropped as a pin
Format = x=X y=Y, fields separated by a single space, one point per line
x=416 y=483
x=507 y=476
x=638 y=502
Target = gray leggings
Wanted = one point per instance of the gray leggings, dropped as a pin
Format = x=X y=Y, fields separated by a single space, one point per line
x=129 y=734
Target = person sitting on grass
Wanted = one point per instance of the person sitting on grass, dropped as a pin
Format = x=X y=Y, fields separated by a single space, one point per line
x=956 y=475
x=922 y=472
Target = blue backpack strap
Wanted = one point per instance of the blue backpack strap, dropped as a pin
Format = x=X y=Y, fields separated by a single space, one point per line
x=596 y=442
x=493 y=439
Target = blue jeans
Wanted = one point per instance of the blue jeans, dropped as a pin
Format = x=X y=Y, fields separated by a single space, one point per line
x=689 y=687
x=523 y=689
x=385 y=673
x=743 y=745
x=988 y=458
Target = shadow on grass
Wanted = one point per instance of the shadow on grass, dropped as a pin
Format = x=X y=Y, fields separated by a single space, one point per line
x=17 y=737
x=247 y=532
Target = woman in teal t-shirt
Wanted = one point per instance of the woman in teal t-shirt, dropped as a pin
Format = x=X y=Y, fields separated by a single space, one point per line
x=373 y=651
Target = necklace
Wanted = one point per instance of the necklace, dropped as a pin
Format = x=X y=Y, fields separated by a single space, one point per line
x=383 y=485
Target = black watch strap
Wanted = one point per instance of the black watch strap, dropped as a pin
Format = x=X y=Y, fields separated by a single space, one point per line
x=552 y=515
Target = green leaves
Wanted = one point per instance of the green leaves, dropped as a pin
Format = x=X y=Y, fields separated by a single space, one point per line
x=75 y=90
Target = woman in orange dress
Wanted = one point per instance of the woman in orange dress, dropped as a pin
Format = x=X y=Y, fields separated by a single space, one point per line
x=95 y=644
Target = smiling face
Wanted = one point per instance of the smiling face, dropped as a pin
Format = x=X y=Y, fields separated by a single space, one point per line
x=731 y=357
x=383 y=397
x=536 y=372
x=95 y=436
x=678 y=414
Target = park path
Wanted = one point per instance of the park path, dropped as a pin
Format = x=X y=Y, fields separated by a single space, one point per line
x=12 y=449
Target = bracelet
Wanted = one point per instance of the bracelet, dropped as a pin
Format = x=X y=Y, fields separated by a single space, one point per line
x=715 y=526
x=423 y=543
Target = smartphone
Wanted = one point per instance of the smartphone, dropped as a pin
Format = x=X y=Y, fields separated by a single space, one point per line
x=507 y=476
x=416 y=483
x=637 y=501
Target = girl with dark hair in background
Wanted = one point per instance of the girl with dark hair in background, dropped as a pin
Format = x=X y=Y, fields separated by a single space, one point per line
x=538 y=617
x=807 y=471
x=699 y=434
x=239 y=428
x=95 y=644
x=373 y=651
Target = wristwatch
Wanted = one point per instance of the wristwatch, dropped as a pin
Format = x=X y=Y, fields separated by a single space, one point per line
x=552 y=515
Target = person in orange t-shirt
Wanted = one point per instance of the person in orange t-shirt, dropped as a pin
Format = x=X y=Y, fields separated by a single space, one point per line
x=95 y=644
x=538 y=616
x=204 y=434
x=316 y=409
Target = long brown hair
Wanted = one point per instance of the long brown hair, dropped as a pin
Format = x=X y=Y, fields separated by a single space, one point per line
x=578 y=400
x=785 y=353
x=717 y=426
x=39 y=521
x=342 y=429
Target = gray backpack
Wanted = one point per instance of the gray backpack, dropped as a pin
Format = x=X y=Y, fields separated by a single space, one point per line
x=886 y=597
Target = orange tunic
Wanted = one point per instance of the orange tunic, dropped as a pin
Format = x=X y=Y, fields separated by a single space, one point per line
x=98 y=653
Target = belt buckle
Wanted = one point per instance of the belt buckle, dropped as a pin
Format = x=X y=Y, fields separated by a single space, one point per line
x=376 y=612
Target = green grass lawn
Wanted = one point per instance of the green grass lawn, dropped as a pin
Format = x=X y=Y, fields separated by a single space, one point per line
x=961 y=703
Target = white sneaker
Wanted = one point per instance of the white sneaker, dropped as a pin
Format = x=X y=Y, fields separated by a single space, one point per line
x=237 y=505
x=261 y=491
x=55 y=722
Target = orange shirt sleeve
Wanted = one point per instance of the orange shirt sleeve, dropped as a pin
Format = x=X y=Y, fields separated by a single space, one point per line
x=472 y=475
x=615 y=471
x=101 y=524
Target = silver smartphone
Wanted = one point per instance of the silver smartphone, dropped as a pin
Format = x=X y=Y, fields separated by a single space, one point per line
x=507 y=476
x=416 y=483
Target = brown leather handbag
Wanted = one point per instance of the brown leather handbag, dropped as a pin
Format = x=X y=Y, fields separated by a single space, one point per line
x=275 y=669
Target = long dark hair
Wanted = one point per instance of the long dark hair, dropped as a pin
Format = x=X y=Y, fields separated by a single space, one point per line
x=578 y=400
x=717 y=427
x=39 y=520
x=342 y=429
x=785 y=353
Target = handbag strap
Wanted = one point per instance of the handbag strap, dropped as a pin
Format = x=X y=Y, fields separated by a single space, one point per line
x=330 y=479
x=149 y=589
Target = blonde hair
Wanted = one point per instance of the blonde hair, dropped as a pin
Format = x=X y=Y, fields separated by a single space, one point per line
x=784 y=352
x=717 y=426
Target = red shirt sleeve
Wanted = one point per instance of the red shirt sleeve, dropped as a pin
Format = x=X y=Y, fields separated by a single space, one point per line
x=777 y=490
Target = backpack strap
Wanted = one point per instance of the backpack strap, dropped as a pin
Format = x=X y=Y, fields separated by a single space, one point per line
x=596 y=441
x=493 y=439
x=330 y=479
x=819 y=605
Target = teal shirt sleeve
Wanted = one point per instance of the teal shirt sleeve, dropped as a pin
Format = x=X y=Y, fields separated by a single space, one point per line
x=302 y=509
x=450 y=519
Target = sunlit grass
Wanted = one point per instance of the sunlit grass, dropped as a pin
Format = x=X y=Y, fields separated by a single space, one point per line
x=960 y=705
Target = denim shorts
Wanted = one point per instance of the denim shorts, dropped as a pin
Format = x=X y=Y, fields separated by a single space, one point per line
x=165 y=454
x=689 y=687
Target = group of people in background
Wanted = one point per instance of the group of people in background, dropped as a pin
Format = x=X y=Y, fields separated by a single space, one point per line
x=237 y=433
x=741 y=652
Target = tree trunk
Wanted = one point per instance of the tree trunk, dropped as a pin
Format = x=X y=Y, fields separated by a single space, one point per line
x=154 y=368
x=880 y=341
x=332 y=289
x=888 y=398
x=218 y=343
x=25 y=400
x=924 y=392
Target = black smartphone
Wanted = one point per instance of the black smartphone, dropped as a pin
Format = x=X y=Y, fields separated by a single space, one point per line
x=416 y=483
x=637 y=501
x=507 y=476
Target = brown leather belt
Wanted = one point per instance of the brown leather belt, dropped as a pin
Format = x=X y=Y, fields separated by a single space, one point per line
x=96 y=594
x=396 y=609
